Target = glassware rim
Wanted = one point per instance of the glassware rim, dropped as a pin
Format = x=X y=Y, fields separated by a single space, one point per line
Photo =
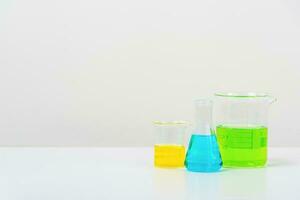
x=170 y=123
x=242 y=94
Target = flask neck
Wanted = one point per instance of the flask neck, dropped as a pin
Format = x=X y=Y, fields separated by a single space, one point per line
x=203 y=117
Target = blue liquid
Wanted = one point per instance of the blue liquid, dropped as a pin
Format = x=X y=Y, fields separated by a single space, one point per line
x=203 y=154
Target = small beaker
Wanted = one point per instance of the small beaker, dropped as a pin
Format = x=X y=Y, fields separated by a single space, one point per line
x=242 y=131
x=169 y=150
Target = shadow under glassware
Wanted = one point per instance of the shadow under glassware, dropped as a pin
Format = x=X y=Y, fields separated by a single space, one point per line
x=244 y=184
x=228 y=185
x=169 y=184
x=203 y=186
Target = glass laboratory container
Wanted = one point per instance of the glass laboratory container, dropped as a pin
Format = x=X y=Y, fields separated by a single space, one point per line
x=203 y=153
x=241 y=126
x=169 y=150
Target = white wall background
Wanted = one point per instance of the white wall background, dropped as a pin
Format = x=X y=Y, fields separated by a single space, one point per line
x=97 y=73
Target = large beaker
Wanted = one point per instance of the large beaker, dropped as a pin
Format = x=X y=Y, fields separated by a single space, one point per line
x=241 y=126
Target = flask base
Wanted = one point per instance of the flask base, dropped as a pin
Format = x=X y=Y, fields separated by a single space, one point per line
x=196 y=167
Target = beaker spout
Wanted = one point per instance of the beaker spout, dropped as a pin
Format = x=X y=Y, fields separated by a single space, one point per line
x=272 y=99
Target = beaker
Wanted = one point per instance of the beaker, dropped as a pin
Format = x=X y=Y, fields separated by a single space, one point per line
x=242 y=130
x=203 y=153
x=169 y=150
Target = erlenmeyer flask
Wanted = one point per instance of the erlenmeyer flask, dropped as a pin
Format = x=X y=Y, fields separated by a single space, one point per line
x=203 y=153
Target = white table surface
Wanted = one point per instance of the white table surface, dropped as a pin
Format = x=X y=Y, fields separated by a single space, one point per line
x=128 y=173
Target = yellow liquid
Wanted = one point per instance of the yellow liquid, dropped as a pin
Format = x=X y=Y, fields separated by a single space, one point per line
x=169 y=155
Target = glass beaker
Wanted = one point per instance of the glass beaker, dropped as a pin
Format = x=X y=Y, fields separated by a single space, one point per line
x=169 y=150
x=242 y=131
x=203 y=153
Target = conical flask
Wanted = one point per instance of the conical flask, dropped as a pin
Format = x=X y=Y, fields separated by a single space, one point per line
x=203 y=153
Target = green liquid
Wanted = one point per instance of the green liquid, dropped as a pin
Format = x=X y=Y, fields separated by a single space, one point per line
x=243 y=146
